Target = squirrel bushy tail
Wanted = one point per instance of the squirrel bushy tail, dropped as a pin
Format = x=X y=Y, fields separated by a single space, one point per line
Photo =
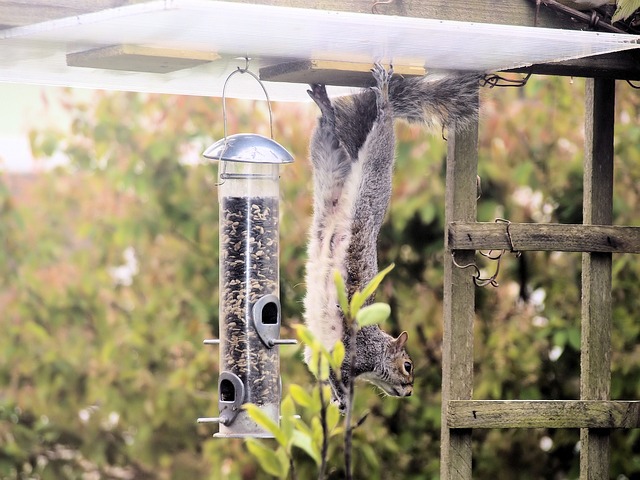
x=448 y=100
x=352 y=153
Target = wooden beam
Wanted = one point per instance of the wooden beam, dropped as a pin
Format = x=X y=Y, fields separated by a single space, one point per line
x=329 y=72
x=458 y=302
x=543 y=414
x=139 y=58
x=622 y=65
x=595 y=360
x=17 y=13
x=544 y=237
x=505 y=12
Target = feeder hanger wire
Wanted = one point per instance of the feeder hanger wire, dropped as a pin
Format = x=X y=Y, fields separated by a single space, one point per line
x=224 y=110
x=224 y=97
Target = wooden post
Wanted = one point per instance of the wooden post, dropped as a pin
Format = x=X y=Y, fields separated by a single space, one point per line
x=459 y=302
x=596 y=272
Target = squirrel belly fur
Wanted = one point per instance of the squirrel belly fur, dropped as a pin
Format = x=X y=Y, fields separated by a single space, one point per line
x=352 y=154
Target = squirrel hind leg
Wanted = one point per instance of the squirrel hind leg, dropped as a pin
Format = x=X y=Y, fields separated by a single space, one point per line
x=318 y=94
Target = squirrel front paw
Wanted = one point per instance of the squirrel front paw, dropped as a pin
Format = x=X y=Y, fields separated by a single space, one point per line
x=338 y=394
x=340 y=403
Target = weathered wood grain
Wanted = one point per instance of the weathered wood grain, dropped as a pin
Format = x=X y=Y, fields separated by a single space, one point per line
x=595 y=361
x=507 y=12
x=544 y=237
x=625 y=65
x=622 y=65
x=140 y=58
x=328 y=72
x=459 y=302
x=542 y=414
x=16 y=13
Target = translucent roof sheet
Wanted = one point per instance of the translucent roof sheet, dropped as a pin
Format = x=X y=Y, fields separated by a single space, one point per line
x=190 y=46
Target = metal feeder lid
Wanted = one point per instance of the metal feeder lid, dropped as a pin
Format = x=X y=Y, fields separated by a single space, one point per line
x=250 y=148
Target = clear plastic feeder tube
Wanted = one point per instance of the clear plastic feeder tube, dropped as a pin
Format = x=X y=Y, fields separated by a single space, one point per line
x=249 y=293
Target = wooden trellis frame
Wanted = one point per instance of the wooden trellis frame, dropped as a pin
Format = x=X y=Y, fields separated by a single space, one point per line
x=594 y=413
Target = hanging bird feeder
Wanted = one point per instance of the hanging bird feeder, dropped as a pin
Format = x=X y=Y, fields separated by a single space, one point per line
x=250 y=312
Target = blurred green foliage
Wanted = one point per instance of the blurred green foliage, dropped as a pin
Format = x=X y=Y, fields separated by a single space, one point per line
x=109 y=273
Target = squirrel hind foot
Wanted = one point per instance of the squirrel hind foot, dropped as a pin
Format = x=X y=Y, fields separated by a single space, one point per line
x=318 y=94
x=382 y=78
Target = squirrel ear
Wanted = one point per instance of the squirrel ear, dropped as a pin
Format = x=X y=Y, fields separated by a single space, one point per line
x=401 y=340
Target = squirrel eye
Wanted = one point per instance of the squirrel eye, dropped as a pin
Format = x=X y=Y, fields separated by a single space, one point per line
x=407 y=367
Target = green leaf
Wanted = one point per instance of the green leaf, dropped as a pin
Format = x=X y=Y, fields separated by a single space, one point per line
x=333 y=417
x=319 y=364
x=316 y=428
x=428 y=212
x=287 y=420
x=625 y=9
x=560 y=338
x=263 y=420
x=315 y=406
x=342 y=292
x=304 y=442
x=285 y=461
x=373 y=314
x=373 y=285
x=306 y=336
x=300 y=395
x=337 y=356
x=302 y=426
x=38 y=333
x=574 y=337
x=357 y=300
x=267 y=458
x=370 y=455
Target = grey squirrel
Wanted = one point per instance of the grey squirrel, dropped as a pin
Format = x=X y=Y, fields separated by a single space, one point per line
x=352 y=154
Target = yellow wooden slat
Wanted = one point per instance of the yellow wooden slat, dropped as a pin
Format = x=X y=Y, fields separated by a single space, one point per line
x=140 y=58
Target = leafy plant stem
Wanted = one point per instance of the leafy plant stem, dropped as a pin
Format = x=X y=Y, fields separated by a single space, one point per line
x=325 y=430
x=292 y=469
x=348 y=436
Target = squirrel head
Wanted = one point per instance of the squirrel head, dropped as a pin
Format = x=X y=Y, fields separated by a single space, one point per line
x=394 y=375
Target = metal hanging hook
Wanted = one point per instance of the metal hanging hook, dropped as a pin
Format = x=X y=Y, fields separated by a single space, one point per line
x=477 y=275
x=224 y=96
x=374 y=7
x=224 y=110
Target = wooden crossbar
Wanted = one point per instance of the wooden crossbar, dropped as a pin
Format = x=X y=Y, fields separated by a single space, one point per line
x=543 y=414
x=544 y=237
